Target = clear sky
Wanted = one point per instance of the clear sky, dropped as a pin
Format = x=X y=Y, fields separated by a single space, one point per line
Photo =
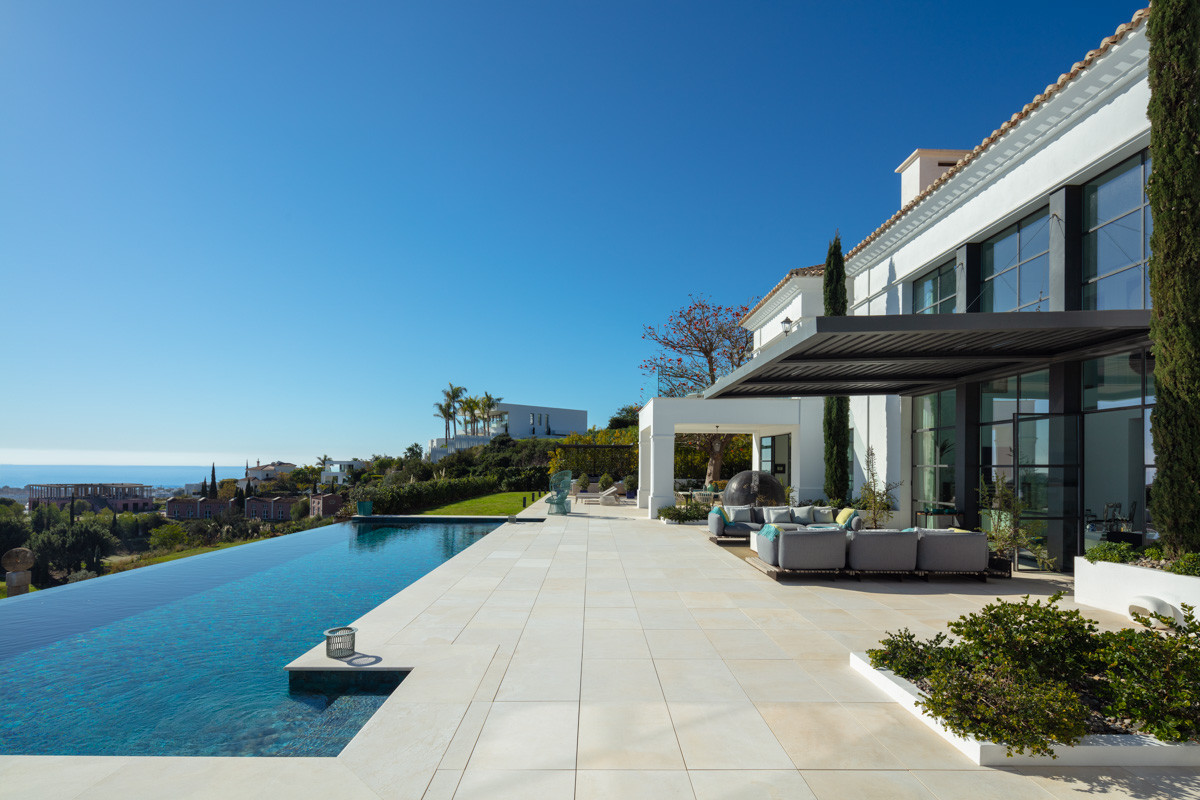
x=261 y=230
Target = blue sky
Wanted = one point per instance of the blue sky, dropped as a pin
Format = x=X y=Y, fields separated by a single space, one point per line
x=240 y=230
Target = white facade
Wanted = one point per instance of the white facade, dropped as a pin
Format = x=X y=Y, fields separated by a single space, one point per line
x=1088 y=125
x=339 y=471
x=519 y=422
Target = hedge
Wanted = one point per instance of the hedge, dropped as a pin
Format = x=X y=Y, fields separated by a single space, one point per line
x=408 y=497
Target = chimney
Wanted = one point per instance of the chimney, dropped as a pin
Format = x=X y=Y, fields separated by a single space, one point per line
x=922 y=168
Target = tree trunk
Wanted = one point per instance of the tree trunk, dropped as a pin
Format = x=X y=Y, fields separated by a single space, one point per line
x=716 y=446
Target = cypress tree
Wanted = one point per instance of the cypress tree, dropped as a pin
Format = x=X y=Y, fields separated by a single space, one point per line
x=836 y=420
x=212 y=485
x=1174 y=190
x=204 y=488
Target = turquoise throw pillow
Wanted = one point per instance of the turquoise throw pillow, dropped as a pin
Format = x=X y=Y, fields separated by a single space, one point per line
x=720 y=512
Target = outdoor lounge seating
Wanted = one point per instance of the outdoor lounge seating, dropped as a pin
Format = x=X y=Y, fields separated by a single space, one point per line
x=829 y=548
x=741 y=521
x=609 y=497
x=557 y=501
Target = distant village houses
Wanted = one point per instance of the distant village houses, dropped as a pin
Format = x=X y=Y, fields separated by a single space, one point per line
x=116 y=496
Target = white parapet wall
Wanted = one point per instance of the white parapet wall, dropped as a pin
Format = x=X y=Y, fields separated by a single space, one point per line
x=1113 y=587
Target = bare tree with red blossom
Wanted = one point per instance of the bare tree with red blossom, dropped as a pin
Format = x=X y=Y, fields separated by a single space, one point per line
x=699 y=343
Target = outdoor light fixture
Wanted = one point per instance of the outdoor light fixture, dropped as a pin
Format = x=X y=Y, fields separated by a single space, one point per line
x=787 y=325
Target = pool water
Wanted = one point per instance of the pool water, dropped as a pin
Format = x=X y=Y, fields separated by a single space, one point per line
x=187 y=658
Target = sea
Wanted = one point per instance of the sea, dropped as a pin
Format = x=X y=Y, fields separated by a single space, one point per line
x=21 y=475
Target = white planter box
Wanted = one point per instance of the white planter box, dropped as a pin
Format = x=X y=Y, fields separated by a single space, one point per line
x=1111 y=587
x=1134 y=750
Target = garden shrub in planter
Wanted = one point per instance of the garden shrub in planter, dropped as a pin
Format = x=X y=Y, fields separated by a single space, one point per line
x=1188 y=564
x=689 y=512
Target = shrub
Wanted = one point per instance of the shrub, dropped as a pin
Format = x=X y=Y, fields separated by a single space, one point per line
x=606 y=481
x=391 y=498
x=584 y=481
x=80 y=575
x=1154 y=678
x=1016 y=707
x=299 y=510
x=689 y=512
x=1187 y=564
x=1153 y=551
x=631 y=483
x=1111 y=552
x=907 y=657
x=168 y=537
x=1057 y=644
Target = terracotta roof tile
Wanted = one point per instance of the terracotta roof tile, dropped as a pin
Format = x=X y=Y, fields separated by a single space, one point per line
x=1139 y=18
x=800 y=272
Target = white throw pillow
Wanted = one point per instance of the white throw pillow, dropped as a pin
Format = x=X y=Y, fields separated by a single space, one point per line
x=823 y=515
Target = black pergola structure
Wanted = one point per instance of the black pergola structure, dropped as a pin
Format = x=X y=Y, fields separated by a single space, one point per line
x=916 y=354
x=907 y=354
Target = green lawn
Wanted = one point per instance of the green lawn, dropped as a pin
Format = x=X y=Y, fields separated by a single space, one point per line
x=491 y=505
x=194 y=551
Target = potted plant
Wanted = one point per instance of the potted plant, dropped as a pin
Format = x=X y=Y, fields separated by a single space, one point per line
x=631 y=487
x=606 y=481
x=876 y=498
x=1008 y=528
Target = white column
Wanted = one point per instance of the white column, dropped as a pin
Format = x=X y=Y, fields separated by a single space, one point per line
x=755 y=451
x=797 y=456
x=643 y=495
x=662 y=472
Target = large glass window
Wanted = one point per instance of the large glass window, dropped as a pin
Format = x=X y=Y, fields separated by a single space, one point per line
x=935 y=292
x=933 y=453
x=1116 y=239
x=1016 y=267
x=1118 y=451
x=1001 y=400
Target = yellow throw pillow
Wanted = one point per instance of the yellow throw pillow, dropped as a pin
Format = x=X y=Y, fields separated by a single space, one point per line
x=844 y=516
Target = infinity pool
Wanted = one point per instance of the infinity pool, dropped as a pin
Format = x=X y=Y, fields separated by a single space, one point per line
x=186 y=658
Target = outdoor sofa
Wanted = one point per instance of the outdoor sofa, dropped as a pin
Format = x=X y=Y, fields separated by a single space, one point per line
x=823 y=539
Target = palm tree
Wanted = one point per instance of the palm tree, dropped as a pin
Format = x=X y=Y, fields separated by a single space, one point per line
x=487 y=404
x=323 y=461
x=470 y=412
x=444 y=411
x=453 y=398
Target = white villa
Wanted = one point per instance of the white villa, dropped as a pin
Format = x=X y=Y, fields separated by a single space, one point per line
x=519 y=422
x=998 y=325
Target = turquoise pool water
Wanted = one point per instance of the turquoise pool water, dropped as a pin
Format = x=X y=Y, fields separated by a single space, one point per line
x=186 y=658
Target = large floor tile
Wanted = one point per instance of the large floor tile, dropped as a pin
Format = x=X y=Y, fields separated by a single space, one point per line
x=614 y=643
x=726 y=736
x=687 y=643
x=620 y=680
x=745 y=644
x=534 y=678
x=745 y=784
x=777 y=681
x=527 y=736
x=516 y=784
x=634 y=736
x=825 y=736
x=865 y=785
x=633 y=785
x=691 y=679
x=981 y=784
x=908 y=738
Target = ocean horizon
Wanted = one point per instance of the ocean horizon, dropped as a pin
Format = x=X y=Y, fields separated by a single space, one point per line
x=21 y=475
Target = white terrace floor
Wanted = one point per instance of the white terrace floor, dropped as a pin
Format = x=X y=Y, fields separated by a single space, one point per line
x=607 y=656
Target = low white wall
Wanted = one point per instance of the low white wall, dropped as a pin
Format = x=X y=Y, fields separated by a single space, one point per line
x=1111 y=586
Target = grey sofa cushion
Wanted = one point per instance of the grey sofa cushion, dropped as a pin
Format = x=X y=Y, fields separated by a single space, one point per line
x=882 y=551
x=742 y=528
x=739 y=513
x=716 y=524
x=951 y=551
x=756 y=515
x=823 y=549
x=768 y=549
x=803 y=514
x=788 y=526
x=824 y=515
x=774 y=514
